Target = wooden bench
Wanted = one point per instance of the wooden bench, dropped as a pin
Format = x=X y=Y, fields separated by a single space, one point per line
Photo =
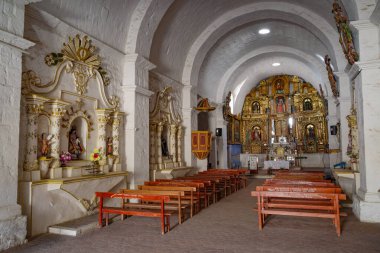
x=161 y=213
x=305 y=202
x=182 y=200
x=197 y=196
x=174 y=204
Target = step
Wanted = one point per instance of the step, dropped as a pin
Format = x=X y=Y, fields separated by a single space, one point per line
x=77 y=226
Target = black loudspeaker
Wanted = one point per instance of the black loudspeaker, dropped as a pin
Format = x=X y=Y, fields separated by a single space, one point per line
x=333 y=130
x=218 y=132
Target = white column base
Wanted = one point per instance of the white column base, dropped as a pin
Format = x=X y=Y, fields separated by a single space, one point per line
x=12 y=232
x=366 y=211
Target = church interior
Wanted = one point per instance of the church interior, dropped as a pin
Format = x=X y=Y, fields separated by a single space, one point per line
x=103 y=100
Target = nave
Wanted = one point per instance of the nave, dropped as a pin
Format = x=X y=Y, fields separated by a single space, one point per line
x=230 y=225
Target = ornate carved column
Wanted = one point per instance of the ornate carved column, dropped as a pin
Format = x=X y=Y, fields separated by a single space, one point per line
x=103 y=116
x=34 y=105
x=179 y=145
x=152 y=143
x=173 y=142
x=57 y=108
x=160 y=127
x=116 y=121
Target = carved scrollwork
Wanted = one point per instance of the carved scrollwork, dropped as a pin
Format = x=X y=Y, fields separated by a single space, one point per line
x=78 y=58
x=71 y=114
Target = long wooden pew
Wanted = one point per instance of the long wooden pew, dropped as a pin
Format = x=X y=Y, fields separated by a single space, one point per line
x=197 y=197
x=181 y=201
x=161 y=213
x=318 y=204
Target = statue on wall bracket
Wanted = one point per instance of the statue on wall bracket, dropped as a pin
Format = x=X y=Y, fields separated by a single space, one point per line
x=345 y=34
x=331 y=77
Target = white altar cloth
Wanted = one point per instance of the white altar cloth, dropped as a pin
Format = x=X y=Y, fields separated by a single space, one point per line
x=276 y=165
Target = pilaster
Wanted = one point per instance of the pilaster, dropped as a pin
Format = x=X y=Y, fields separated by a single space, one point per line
x=103 y=117
x=34 y=106
x=57 y=108
x=190 y=122
x=367 y=198
x=136 y=104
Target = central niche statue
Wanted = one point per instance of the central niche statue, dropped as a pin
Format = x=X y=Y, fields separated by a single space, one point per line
x=164 y=147
x=75 y=145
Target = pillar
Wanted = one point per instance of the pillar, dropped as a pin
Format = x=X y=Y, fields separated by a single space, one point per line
x=152 y=145
x=366 y=201
x=12 y=45
x=179 y=146
x=34 y=105
x=117 y=118
x=190 y=122
x=173 y=142
x=135 y=99
x=160 y=128
x=342 y=111
x=103 y=116
x=57 y=109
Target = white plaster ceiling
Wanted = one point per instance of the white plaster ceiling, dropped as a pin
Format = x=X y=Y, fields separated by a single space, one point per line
x=216 y=46
x=209 y=44
x=105 y=20
x=244 y=44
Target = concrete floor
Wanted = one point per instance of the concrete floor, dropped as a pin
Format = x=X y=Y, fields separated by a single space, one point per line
x=227 y=226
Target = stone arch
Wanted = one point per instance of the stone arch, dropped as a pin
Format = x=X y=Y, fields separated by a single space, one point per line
x=208 y=34
x=226 y=77
x=144 y=22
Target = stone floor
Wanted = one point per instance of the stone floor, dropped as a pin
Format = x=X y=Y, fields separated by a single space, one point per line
x=227 y=226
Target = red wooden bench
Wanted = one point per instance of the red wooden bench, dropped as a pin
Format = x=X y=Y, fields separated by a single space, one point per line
x=162 y=213
x=299 y=201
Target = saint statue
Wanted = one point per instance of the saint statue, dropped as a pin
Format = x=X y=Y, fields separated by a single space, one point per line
x=75 y=145
x=256 y=107
x=256 y=136
x=310 y=134
x=109 y=146
x=45 y=144
x=280 y=105
x=164 y=147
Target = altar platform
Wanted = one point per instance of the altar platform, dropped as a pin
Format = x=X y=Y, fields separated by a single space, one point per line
x=49 y=202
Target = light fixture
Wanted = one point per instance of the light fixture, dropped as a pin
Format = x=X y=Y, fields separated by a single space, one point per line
x=276 y=64
x=264 y=31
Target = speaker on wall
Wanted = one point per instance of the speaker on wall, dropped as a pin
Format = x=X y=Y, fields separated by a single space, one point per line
x=218 y=132
x=333 y=130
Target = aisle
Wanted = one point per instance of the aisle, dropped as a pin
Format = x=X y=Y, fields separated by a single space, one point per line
x=227 y=226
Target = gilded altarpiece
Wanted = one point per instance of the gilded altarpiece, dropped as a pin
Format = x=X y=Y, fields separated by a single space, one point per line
x=166 y=138
x=64 y=121
x=283 y=109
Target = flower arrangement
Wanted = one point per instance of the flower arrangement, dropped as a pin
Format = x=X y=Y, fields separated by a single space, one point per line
x=96 y=156
x=64 y=157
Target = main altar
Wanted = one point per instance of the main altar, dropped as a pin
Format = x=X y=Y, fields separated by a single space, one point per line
x=72 y=136
x=282 y=117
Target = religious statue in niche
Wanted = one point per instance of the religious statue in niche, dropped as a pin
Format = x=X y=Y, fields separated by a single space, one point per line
x=279 y=86
x=45 y=141
x=307 y=105
x=280 y=105
x=109 y=146
x=256 y=107
x=164 y=147
x=256 y=134
x=310 y=132
x=75 y=146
